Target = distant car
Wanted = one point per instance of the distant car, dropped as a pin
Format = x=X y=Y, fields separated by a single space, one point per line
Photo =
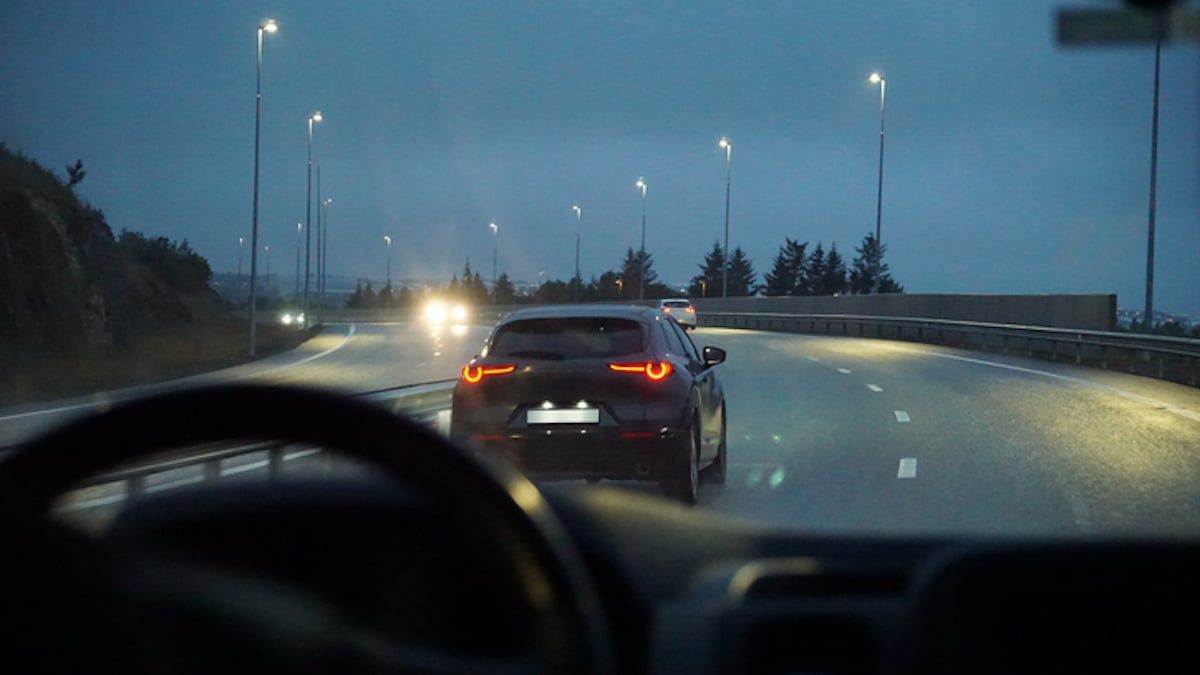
x=438 y=312
x=596 y=392
x=680 y=309
x=292 y=318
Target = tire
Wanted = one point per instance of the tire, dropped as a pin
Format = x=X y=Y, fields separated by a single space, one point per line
x=714 y=473
x=686 y=487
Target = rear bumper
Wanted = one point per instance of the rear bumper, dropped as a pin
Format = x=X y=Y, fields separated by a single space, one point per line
x=560 y=454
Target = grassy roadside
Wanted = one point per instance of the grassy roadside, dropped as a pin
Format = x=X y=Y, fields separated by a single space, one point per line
x=210 y=345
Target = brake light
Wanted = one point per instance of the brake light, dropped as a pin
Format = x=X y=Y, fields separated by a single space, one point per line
x=474 y=374
x=691 y=310
x=654 y=371
x=666 y=310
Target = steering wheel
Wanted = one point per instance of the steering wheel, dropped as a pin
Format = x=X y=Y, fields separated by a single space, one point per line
x=62 y=583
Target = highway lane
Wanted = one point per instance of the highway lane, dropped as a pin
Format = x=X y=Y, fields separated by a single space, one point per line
x=344 y=357
x=869 y=436
x=851 y=435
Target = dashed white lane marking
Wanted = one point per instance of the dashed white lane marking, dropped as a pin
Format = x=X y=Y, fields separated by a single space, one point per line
x=1153 y=403
x=908 y=468
x=843 y=371
x=902 y=416
x=812 y=358
x=875 y=388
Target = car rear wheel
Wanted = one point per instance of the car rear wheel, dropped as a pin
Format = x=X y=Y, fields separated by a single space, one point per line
x=686 y=486
x=715 y=473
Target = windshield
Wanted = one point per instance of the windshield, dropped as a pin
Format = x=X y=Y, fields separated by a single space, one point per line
x=921 y=236
x=561 y=339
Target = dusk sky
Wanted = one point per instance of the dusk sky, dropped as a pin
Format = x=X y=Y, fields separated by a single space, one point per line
x=1013 y=165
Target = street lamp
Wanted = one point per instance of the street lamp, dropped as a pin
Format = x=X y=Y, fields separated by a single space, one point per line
x=641 y=182
x=578 y=228
x=876 y=78
x=494 y=246
x=388 y=241
x=299 y=226
x=724 y=143
x=238 y=284
x=315 y=117
x=269 y=27
x=323 y=256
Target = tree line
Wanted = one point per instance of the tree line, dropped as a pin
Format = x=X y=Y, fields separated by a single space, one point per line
x=796 y=271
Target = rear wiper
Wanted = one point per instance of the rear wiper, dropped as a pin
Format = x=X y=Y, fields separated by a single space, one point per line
x=535 y=354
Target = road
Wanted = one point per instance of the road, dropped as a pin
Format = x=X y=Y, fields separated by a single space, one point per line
x=872 y=436
x=344 y=357
x=838 y=435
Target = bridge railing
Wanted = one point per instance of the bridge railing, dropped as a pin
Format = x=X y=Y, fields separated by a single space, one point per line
x=427 y=403
x=1165 y=358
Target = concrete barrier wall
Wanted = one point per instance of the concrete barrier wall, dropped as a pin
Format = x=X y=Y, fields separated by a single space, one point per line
x=1089 y=312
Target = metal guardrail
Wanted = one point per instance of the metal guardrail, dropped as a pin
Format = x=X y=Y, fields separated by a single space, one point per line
x=427 y=403
x=1164 y=358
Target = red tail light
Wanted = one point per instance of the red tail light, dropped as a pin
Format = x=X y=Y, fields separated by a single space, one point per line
x=474 y=374
x=654 y=371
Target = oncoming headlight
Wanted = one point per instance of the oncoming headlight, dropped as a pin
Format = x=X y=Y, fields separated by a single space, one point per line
x=435 y=312
x=459 y=313
x=286 y=319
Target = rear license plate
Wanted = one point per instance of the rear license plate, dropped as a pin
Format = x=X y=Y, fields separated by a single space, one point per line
x=563 y=416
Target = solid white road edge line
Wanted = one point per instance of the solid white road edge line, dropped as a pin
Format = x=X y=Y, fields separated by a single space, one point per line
x=93 y=404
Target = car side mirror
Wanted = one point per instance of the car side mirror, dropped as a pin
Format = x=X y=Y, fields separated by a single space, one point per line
x=713 y=356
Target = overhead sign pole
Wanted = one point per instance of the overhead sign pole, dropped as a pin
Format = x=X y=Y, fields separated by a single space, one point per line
x=1135 y=27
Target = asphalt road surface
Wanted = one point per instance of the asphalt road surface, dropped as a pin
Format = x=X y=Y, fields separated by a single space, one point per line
x=850 y=435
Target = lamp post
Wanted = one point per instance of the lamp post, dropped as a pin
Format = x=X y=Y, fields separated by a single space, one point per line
x=267 y=26
x=324 y=256
x=641 y=183
x=388 y=240
x=315 y=117
x=299 y=226
x=317 y=234
x=237 y=286
x=724 y=143
x=578 y=228
x=495 y=239
x=876 y=78
x=1148 y=316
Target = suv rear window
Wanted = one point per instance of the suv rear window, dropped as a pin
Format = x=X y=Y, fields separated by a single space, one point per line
x=569 y=338
x=676 y=303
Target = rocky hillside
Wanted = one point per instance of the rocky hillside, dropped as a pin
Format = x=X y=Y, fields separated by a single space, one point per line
x=69 y=289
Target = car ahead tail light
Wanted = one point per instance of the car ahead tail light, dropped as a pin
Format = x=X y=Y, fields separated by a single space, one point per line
x=654 y=371
x=474 y=374
x=666 y=310
x=690 y=310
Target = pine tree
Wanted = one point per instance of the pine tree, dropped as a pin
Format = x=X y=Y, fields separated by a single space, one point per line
x=788 y=277
x=504 y=291
x=834 y=280
x=708 y=282
x=862 y=272
x=742 y=279
x=814 y=269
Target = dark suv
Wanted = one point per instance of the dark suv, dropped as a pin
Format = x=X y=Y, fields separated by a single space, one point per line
x=596 y=392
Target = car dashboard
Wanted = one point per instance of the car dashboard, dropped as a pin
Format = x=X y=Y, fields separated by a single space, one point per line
x=684 y=591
